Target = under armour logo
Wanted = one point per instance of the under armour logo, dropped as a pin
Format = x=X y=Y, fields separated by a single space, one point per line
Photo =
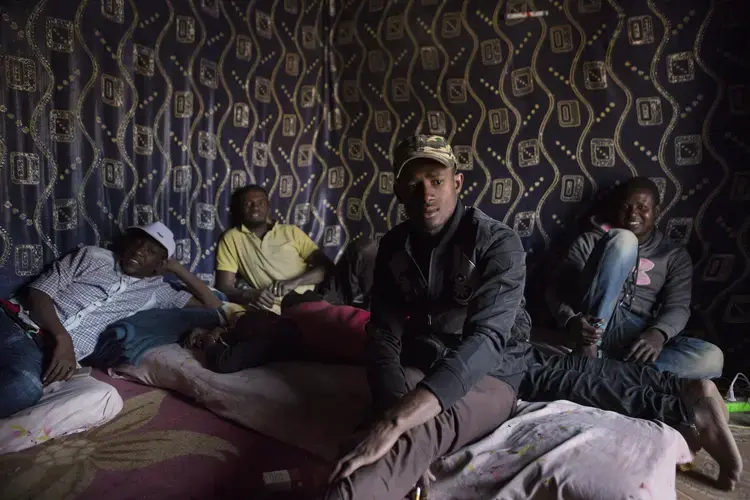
x=644 y=265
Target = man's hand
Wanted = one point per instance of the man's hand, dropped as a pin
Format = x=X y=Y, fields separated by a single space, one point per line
x=202 y=338
x=583 y=329
x=647 y=348
x=263 y=298
x=378 y=441
x=195 y=338
x=62 y=366
x=282 y=287
x=424 y=483
x=415 y=408
x=169 y=266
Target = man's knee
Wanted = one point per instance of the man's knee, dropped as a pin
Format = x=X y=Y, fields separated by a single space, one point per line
x=692 y=358
x=710 y=362
x=19 y=389
x=341 y=490
x=622 y=240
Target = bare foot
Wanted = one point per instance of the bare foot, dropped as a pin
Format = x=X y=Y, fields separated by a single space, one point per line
x=713 y=434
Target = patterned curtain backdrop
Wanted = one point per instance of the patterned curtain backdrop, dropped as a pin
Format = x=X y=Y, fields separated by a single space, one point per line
x=120 y=112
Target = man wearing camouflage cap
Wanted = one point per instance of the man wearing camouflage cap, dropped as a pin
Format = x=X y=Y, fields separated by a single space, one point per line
x=448 y=300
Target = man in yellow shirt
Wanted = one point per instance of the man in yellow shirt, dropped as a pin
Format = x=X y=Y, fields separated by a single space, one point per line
x=272 y=258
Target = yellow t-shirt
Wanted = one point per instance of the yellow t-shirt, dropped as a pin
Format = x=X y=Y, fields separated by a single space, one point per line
x=281 y=255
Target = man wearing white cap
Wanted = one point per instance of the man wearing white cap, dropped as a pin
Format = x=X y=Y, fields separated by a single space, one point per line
x=58 y=318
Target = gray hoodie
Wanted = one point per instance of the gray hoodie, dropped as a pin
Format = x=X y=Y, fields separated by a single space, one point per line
x=661 y=291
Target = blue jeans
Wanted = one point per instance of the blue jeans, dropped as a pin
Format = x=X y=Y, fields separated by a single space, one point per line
x=605 y=273
x=21 y=362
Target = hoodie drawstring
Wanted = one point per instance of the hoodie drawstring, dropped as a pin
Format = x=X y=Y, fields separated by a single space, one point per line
x=631 y=282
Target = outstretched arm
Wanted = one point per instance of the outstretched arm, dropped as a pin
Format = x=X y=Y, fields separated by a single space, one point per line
x=41 y=308
x=674 y=312
x=40 y=305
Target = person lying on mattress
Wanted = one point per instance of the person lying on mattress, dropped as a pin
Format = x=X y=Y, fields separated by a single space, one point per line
x=308 y=329
x=59 y=317
x=448 y=299
x=633 y=295
x=271 y=258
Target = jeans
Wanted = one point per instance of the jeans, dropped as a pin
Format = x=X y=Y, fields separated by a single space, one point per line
x=21 y=363
x=128 y=340
x=606 y=272
x=686 y=356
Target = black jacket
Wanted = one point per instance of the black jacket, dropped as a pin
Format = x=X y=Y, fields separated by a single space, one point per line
x=463 y=321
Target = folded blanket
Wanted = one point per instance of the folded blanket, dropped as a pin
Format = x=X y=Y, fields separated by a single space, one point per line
x=128 y=340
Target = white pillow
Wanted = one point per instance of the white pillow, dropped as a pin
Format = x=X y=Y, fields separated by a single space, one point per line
x=564 y=450
x=77 y=405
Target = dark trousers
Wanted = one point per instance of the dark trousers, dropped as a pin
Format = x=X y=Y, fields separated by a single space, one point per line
x=284 y=343
x=629 y=389
x=474 y=416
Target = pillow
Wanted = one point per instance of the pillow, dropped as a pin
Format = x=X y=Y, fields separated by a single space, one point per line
x=77 y=405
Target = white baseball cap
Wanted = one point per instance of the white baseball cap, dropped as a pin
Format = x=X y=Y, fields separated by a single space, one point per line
x=161 y=233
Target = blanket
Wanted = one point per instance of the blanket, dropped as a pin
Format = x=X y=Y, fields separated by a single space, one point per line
x=129 y=339
x=562 y=450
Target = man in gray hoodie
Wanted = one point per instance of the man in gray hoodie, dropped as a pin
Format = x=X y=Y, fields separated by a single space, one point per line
x=631 y=295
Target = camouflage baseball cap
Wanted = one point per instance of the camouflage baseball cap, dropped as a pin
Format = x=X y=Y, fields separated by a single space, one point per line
x=433 y=147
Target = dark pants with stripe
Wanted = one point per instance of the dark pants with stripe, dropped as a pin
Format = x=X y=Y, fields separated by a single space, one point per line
x=630 y=389
x=285 y=343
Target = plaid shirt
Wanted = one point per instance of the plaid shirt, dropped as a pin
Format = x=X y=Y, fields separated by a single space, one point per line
x=90 y=292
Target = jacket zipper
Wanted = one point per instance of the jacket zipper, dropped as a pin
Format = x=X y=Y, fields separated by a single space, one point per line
x=427 y=280
x=429 y=285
